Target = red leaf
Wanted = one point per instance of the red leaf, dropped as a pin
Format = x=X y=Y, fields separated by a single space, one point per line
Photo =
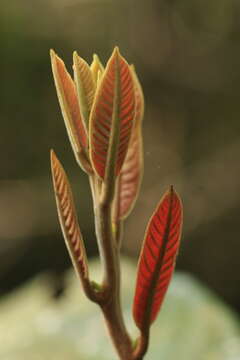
x=112 y=117
x=157 y=259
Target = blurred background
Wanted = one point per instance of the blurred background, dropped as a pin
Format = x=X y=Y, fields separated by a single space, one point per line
x=187 y=56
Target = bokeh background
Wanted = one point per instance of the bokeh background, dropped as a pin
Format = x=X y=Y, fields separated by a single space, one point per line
x=187 y=55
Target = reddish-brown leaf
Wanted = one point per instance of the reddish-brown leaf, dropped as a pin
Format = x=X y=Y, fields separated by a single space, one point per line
x=131 y=175
x=112 y=117
x=68 y=218
x=139 y=98
x=67 y=96
x=157 y=259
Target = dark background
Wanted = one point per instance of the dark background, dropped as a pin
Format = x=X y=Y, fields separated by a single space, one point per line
x=187 y=55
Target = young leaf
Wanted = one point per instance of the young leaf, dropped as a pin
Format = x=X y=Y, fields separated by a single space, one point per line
x=96 y=68
x=112 y=117
x=68 y=101
x=157 y=259
x=85 y=86
x=139 y=97
x=131 y=173
x=130 y=176
x=68 y=219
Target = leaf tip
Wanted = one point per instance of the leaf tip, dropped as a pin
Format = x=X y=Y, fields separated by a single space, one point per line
x=75 y=56
x=173 y=193
x=132 y=66
x=52 y=53
x=118 y=57
x=96 y=67
x=55 y=60
x=53 y=156
x=55 y=164
x=96 y=57
x=116 y=50
x=116 y=53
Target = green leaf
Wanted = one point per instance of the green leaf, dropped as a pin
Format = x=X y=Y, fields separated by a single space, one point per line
x=85 y=86
x=97 y=68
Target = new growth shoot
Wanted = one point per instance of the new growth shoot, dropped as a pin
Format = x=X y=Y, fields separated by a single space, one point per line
x=103 y=110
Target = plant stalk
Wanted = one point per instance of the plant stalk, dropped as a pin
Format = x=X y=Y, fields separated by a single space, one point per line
x=141 y=346
x=109 y=253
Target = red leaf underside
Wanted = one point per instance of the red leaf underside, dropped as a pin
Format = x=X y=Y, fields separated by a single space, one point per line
x=157 y=260
x=139 y=99
x=67 y=217
x=116 y=89
x=131 y=175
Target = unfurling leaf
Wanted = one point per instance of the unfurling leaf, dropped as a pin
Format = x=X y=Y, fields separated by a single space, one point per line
x=157 y=259
x=131 y=176
x=68 y=218
x=132 y=170
x=67 y=96
x=85 y=86
x=97 y=68
x=112 y=117
x=139 y=98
